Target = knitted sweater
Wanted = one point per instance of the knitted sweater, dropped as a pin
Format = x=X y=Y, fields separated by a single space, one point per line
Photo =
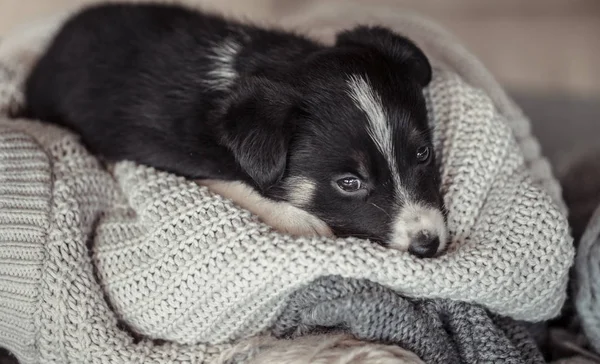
x=83 y=249
x=439 y=331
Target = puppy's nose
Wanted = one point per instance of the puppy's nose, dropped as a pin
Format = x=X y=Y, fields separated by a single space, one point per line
x=424 y=245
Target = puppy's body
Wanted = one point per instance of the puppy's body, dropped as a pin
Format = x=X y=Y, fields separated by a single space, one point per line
x=339 y=132
x=146 y=83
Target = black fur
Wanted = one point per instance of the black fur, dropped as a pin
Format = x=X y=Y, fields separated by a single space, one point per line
x=137 y=82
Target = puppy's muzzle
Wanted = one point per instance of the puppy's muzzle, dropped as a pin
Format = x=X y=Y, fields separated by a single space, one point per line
x=420 y=230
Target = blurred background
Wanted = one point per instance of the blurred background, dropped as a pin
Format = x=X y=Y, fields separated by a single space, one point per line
x=545 y=52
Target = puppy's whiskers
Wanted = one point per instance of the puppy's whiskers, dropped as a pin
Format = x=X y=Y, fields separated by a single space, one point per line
x=385 y=212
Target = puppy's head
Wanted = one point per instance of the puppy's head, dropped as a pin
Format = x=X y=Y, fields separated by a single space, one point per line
x=345 y=137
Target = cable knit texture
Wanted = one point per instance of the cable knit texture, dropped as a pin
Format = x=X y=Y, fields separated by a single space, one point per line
x=176 y=262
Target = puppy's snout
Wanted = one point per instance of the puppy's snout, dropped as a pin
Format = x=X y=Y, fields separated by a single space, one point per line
x=421 y=230
x=424 y=245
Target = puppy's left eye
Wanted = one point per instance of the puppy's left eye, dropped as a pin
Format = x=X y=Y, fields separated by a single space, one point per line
x=423 y=154
x=349 y=184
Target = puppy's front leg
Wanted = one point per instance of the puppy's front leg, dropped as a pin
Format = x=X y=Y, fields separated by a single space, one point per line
x=281 y=216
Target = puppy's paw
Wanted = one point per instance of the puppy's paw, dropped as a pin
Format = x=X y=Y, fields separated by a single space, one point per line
x=291 y=220
x=281 y=216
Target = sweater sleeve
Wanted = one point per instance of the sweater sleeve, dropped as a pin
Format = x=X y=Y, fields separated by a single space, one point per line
x=25 y=191
x=52 y=307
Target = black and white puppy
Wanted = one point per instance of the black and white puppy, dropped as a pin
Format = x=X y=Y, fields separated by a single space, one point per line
x=312 y=138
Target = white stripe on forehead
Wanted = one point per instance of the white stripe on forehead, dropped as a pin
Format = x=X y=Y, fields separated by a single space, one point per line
x=380 y=131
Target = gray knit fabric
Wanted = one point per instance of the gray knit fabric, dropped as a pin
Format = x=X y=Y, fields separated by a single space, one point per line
x=181 y=264
x=438 y=331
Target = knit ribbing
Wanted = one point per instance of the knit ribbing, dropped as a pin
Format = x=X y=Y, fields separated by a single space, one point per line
x=25 y=185
x=51 y=305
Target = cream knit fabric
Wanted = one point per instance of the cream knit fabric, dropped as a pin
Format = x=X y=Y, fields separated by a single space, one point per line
x=51 y=308
x=178 y=263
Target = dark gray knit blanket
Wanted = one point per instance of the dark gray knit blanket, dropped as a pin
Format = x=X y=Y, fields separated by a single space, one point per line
x=438 y=331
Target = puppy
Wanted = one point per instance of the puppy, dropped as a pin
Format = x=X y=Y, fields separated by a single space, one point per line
x=315 y=139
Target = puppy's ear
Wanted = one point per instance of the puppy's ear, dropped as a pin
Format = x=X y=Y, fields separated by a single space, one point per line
x=257 y=127
x=399 y=48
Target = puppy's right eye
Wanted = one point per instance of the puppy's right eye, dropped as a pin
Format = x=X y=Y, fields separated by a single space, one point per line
x=349 y=184
x=423 y=154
